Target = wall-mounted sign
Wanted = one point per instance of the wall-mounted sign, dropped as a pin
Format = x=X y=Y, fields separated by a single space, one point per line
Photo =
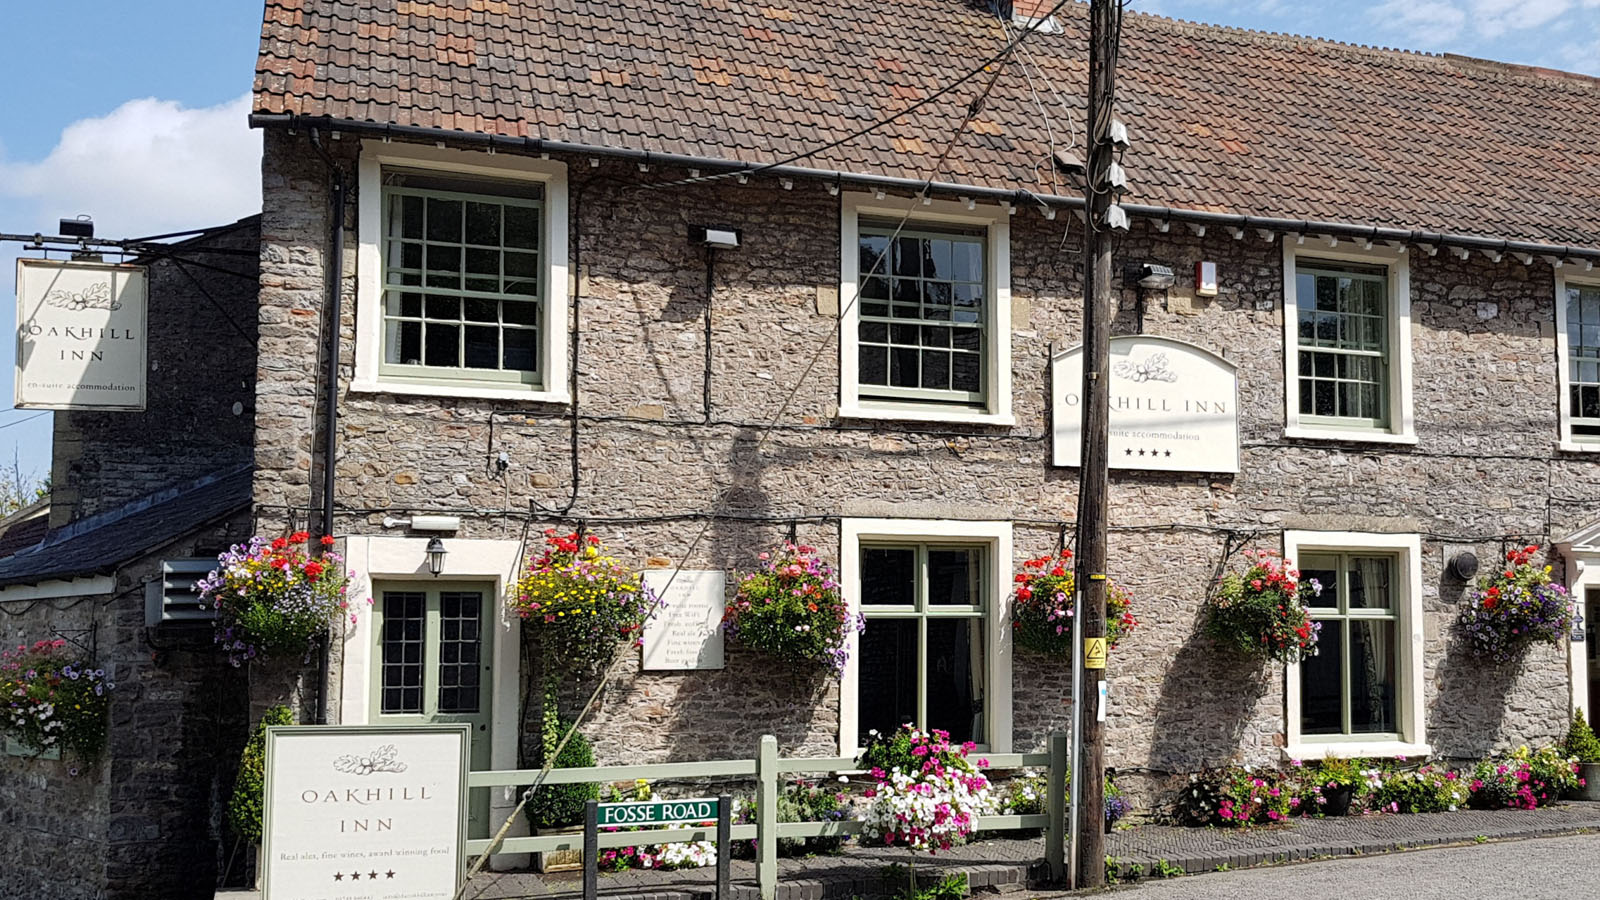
x=686 y=632
x=1174 y=406
x=80 y=335
x=358 y=812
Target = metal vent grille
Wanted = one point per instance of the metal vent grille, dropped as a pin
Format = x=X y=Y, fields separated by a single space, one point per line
x=172 y=599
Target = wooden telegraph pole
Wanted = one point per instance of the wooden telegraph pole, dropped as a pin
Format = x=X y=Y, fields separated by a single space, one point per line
x=1104 y=21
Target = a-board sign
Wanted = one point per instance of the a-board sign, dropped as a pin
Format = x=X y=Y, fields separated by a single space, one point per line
x=364 y=812
x=686 y=631
x=659 y=812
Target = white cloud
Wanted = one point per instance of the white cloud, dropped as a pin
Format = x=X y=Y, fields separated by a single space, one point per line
x=1492 y=18
x=148 y=166
x=1430 y=23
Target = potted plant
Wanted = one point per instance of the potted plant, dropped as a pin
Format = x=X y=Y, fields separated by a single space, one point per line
x=558 y=808
x=246 y=806
x=1515 y=608
x=1262 y=611
x=1583 y=746
x=1335 y=781
x=50 y=701
x=275 y=596
x=792 y=610
x=927 y=795
x=578 y=603
x=1041 y=618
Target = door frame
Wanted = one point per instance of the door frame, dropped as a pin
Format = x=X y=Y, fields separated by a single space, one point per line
x=400 y=559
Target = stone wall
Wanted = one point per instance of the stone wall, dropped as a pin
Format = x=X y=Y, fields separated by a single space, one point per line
x=201 y=358
x=145 y=820
x=654 y=469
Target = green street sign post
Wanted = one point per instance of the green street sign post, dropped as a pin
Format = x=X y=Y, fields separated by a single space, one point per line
x=656 y=814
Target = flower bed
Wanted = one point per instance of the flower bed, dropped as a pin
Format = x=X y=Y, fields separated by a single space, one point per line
x=1524 y=779
x=1044 y=607
x=50 y=701
x=579 y=603
x=792 y=610
x=273 y=596
x=1262 y=612
x=1515 y=608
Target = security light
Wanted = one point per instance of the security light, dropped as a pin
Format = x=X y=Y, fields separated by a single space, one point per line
x=1154 y=276
x=722 y=237
x=79 y=227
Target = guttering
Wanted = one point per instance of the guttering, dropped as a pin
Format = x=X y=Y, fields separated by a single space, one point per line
x=1018 y=197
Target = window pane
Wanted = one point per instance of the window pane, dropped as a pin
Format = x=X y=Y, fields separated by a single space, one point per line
x=481 y=310
x=403 y=613
x=522 y=227
x=904 y=367
x=1321 y=684
x=1325 y=569
x=483 y=223
x=444 y=220
x=442 y=345
x=521 y=350
x=955 y=576
x=888 y=576
x=458 y=651
x=955 y=677
x=965 y=373
x=402 y=343
x=888 y=675
x=936 y=370
x=874 y=365
x=907 y=257
x=1372 y=676
x=519 y=312
x=1369 y=582
x=873 y=247
x=483 y=347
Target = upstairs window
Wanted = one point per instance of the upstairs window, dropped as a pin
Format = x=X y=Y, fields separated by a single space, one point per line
x=1583 y=362
x=921 y=332
x=463 y=291
x=1343 y=328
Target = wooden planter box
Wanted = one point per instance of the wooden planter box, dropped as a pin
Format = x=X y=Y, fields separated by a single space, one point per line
x=559 y=860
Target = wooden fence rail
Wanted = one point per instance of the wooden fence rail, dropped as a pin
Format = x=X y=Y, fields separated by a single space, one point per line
x=766 y=769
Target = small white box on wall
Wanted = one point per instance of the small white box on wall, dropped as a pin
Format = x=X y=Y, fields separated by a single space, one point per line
x=1205 y=279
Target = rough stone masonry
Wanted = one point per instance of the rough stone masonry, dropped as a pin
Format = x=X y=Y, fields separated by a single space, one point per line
x=1483 y=471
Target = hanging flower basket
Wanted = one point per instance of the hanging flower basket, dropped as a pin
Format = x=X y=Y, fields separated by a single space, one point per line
x=792 y=610
x=1041 y=618
x=49 y=701
x=579 y=603
x=274 y=597
x=1516 y=608
x=1262 y=612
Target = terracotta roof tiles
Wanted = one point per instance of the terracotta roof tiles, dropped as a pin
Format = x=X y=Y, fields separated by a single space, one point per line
x=1221 y=118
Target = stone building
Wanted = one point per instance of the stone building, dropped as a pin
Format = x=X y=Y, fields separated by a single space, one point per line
x=509 y=201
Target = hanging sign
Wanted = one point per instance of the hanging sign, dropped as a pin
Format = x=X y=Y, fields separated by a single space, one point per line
x=686 y=631
x=80 y=335
x=364 y=812
x=1174 y=407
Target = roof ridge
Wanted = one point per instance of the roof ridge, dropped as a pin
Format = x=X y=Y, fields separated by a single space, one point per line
x=132 y=507
x=1286 y=39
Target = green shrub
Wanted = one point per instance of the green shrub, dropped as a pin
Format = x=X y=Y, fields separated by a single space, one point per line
x=1581 y=741
x=245 y=808
x=560 y=805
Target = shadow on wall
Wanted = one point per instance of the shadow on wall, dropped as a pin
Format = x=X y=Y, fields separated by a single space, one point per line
x=1207 y=699
x=1467 y=717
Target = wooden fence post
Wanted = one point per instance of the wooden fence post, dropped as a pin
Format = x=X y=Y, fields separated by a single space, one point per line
x=1055 y=834
x=767 y=817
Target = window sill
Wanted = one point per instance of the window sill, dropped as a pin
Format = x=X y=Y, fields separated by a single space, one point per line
x=1578 y=446
x=1300 y=432
x=900 y=413
x=466 y=391
x=1354 y=749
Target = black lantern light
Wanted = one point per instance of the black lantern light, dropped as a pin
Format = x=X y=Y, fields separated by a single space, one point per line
x=436 y=554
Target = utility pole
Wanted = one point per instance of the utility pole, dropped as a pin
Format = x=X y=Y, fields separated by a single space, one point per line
x=1104 y=22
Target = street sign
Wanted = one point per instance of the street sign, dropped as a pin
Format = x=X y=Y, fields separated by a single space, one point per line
x=659 y=812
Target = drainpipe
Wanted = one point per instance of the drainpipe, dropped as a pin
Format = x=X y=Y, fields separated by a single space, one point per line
x=330 y=388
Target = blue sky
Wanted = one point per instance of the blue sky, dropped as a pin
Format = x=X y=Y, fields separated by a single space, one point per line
x=134 y=112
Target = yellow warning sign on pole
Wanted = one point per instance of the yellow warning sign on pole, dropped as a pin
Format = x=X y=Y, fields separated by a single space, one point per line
x=1094 y=653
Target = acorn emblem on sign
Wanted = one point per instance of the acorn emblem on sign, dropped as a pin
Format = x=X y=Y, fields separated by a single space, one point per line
x=95 y=296
x=379 y=760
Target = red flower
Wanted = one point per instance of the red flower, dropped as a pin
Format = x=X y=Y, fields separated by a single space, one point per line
x=313 y=570
x=1024 y=594
x=1058 y=571
x=327 y=540
x=279 y=543
x=299 y=537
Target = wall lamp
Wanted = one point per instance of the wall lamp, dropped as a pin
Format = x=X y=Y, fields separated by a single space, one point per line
x=1148 y=277
x=436 y=554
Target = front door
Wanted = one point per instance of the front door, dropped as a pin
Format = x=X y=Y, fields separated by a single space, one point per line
x=433 y=666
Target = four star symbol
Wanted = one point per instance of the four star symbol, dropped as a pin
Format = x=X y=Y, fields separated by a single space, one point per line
x=1129 y=451
x=356 y=876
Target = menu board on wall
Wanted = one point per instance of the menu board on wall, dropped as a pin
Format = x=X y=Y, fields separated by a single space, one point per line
x=686 y=632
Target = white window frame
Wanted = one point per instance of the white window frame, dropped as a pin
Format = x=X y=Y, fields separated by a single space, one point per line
x=1401 y=428
x=1567 y=441
x=1410 y=713
x=997 y=295
x=996 y=537
x=375 y=156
